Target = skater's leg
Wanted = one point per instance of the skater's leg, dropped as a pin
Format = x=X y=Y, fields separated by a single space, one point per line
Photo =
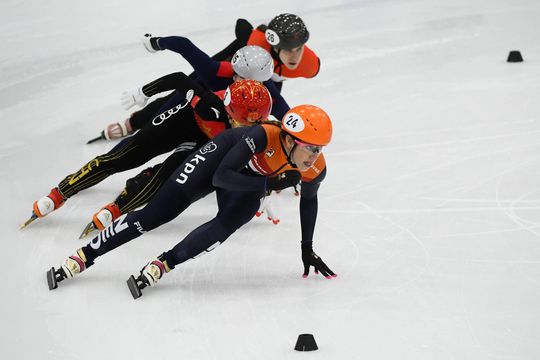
x=235 y=210
x=162 y=134
x=141 y=188
x=141 y=192
x=167 y=204
x=164 y=207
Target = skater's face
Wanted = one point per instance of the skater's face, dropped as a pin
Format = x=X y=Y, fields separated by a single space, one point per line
x=303 y=155
x=291 y=57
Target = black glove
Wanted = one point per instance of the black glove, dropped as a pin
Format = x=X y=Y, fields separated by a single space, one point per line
x=243 y=30
x=309 y=258
x=284 y=180
x=155 y=44
x=210 y=107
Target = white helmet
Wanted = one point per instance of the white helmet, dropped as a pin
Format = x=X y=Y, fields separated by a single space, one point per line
x=253 y=63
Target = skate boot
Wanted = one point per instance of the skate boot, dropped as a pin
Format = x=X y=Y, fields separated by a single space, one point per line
x=102 y=219
x=46 y=205
x=151 y=43
x=72 y=266
x=149 y=276
x=49 y=203
x=114 y=131
x=118 y=130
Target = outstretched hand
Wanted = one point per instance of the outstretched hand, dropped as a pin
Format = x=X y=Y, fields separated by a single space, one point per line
x=309 y=258
x=133 y=97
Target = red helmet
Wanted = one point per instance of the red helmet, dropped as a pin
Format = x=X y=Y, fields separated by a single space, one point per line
x=247 y=102
x=309 y=124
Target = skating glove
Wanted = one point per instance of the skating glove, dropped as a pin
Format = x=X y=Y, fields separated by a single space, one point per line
x=309 y=258
x=243 y=30
x=284 y=180
x=133 y=97
x=150 y=43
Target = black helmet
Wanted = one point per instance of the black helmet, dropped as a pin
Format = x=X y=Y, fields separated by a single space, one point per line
x=286 y=31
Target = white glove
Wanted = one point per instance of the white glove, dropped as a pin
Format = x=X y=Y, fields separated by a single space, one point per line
x=133 y=97
x=118 y=130
x=148 y=43
x=267 y=206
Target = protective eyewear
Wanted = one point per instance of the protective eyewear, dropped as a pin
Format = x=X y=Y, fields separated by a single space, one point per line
x=314 y=149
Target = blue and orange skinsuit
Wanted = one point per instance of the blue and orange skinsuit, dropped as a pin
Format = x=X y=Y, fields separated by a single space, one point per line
x=235 y=164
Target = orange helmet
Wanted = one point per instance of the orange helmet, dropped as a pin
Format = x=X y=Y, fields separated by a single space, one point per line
x=247 y=102
x=309 y=124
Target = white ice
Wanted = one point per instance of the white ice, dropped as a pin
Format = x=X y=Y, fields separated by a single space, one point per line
x=430 y=213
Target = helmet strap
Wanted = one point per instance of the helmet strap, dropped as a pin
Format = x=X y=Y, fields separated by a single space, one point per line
x=289 y=153
x=276 y=57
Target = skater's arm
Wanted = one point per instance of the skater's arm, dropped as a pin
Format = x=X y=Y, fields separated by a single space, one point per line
x=308 y=217
x=206 y=68
x=309 y=207
x=175 y=81
x=228 y=174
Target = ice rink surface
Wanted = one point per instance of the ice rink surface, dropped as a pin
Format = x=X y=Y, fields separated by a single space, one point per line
x=430 y=213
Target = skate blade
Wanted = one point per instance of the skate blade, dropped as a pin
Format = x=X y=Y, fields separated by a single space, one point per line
x=100 y=137
x=87 y=230
x=51 y=279
x=29 y=221
x=134 y=287
x=54 y=277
